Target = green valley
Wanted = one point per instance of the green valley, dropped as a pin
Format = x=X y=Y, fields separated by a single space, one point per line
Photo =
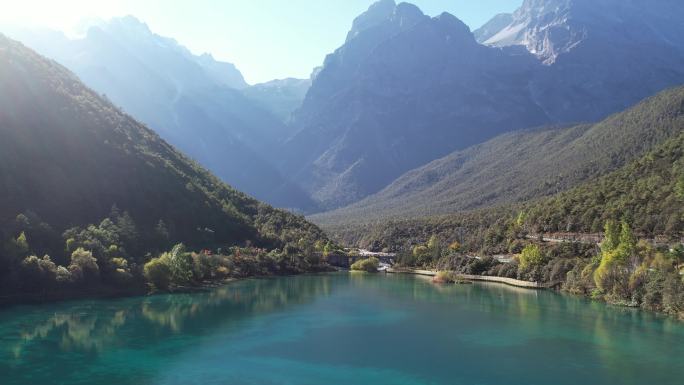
x=89 y=195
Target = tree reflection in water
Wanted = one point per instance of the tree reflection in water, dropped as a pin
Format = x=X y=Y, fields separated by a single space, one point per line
x=94 y=326
x=264 y=329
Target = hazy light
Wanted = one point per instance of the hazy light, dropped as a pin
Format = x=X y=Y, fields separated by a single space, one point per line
x=265 y=39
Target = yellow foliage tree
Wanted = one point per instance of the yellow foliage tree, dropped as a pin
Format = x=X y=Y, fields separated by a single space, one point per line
x=531 y=256
x=455 y=246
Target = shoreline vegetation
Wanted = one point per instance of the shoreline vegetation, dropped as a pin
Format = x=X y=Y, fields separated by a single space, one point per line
x=109 y=292
x=368 y=265
x=618 y=268
x=115 y=259
x=138 y=289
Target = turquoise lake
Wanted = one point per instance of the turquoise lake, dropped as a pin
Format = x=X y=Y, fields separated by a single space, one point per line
x=340 y=329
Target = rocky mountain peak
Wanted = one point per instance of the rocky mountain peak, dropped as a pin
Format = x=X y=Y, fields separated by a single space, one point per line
x=409 y=86
x=377 y=13
x=551 y=28
x=383 y=13
x=453 y=27
x=128 y=25
x=407 y=14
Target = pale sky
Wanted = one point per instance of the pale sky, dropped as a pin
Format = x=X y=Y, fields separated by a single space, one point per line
x=265 y=39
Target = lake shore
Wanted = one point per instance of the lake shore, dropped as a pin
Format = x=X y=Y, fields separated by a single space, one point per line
x=467 y=277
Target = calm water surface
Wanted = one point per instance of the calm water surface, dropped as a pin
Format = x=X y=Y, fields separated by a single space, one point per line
x=340 y=329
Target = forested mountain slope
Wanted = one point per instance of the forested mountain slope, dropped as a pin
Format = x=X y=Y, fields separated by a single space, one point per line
x=647 y=193
x=524 y=165
x=68 y=156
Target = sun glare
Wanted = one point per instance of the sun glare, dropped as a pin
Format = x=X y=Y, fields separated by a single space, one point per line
x=66 y=16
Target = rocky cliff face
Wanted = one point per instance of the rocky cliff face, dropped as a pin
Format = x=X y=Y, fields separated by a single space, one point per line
x=281 y=97
x=493 y=26
x=401 y=91
x=552 y=28
x=601 y=55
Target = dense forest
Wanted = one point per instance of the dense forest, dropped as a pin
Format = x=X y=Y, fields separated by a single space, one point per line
x=648 y=193
x=628 y=167
x=90 y=195
x=523 y=165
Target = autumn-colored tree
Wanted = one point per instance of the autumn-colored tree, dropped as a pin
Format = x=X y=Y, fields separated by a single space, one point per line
x=530 y=257
x=455 y=246
x=157 y=273
x=84 y=266
x=617 y=251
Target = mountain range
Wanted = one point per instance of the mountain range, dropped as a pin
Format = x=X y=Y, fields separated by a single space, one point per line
x=406 y=94
x=405 y=88
x=522 y=166
x=194 y=102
